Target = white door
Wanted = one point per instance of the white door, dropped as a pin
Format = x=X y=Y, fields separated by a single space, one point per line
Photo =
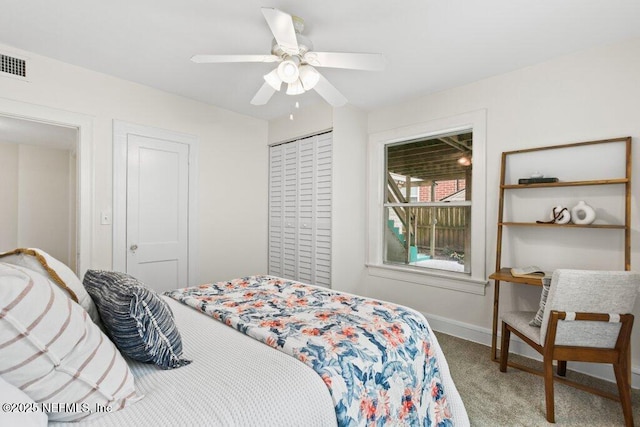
x=157 y=223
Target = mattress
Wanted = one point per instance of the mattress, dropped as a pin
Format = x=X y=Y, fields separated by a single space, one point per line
x=235 y=380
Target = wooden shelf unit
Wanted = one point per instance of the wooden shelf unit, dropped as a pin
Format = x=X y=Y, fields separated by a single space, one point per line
x=503 y=274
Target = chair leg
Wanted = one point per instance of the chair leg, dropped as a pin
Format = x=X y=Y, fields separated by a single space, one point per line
x=624 y=388
x=628 y=363
x=504 y=347
x=562 y=368
x=548 y=389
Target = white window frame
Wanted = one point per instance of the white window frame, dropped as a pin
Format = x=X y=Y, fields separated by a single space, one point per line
x=475 y=282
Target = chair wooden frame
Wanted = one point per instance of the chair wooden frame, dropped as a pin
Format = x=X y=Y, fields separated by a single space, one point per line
x=619 y=357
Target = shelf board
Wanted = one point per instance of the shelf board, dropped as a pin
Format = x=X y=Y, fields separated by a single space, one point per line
x=535 y=224
x=504 y=275
x=567 y=183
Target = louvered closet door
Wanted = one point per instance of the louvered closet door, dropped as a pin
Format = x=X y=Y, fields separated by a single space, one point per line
x=300 y=210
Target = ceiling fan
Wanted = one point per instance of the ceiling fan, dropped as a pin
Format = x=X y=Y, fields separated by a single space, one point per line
x=297 y=61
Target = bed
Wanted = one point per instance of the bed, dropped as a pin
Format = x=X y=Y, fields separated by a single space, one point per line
x=236 y=380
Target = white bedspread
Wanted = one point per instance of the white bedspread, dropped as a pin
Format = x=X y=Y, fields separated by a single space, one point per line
x=235 y=380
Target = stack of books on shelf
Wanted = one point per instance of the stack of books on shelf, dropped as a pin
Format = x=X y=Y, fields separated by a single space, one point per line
x=530 y=272
x=536 y=180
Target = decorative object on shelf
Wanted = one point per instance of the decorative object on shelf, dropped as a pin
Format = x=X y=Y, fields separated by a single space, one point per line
x=536 y=180
x=582 y=213
x=558 y=215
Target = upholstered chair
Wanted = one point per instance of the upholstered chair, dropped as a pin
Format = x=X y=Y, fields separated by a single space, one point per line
x=586 y=318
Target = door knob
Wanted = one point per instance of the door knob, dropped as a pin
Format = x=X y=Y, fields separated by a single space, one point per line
x=133 y=247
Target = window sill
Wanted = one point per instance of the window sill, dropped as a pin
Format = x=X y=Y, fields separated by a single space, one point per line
x=453 y=281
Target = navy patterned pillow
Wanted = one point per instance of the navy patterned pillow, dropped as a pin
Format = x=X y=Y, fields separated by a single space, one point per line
x=138 y=321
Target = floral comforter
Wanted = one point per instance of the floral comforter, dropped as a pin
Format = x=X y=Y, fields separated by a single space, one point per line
x=376 y=358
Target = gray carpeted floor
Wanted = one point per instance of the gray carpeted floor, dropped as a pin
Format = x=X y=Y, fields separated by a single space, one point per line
x=516 y=398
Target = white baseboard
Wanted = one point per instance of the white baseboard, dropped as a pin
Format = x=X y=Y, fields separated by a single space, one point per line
x=483 y=336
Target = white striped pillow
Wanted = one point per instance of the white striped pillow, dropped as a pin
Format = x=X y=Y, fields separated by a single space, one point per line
x=51 y=350
x=43 y=263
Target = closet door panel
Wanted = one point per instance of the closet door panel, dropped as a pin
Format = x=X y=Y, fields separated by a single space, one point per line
x=306 y=210
x=322 y=223
x=290 y=238
x=276 y=210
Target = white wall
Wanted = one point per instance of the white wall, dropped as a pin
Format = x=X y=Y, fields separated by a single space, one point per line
x=43 y=200
x=232 y=178
x=9 y=196
x=37 y=199
x=73 y=207
x=349 y=201
x=587 y=96
x=307 y=121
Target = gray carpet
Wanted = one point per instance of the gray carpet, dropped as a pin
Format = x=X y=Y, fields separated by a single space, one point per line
x=516 y=398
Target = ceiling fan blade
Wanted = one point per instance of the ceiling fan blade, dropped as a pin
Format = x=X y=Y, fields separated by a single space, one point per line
x=281 y=25
x=205 y=59
x=353 y=61
x=263 y=95
x=329 y=92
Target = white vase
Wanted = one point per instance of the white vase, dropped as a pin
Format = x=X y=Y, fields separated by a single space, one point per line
x=582 y=213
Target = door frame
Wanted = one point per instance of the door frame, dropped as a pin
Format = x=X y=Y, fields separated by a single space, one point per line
x=121 y=130
x=84 y=166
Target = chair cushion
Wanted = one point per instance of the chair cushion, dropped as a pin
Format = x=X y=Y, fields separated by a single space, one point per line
x=519 y=320
x=140 y=323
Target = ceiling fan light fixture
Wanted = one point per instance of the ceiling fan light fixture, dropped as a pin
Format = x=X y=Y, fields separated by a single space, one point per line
x=309 y=76
x=295 y=88
x=288 y=69
x=273 y=79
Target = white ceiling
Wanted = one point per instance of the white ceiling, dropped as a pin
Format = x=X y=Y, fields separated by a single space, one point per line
x=430 y=45
x=19 y=131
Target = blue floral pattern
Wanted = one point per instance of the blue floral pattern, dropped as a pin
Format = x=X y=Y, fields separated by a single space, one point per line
x=376 y=358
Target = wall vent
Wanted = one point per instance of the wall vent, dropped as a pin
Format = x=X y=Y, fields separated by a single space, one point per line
x=12 y=66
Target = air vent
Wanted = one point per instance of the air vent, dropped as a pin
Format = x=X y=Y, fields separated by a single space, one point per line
x=12 y=66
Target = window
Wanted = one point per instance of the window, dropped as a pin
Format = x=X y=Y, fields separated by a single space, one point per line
x=426 y=207
x=431 y=227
